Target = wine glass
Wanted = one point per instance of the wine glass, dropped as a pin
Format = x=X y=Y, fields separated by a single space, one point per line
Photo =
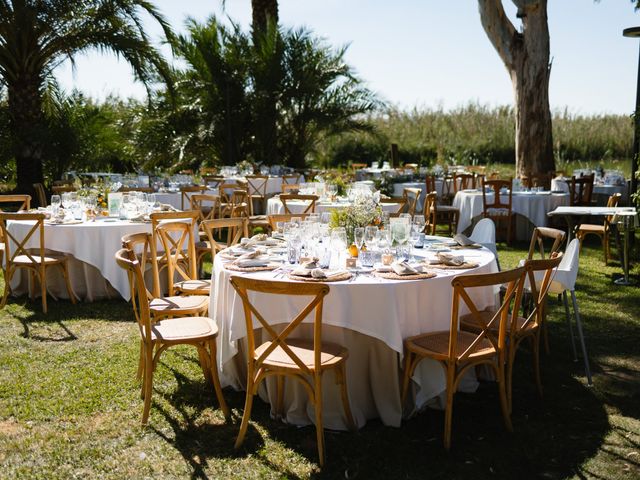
x=338 y=243
x=371 y=237
x=358 y=237
x=55 y=205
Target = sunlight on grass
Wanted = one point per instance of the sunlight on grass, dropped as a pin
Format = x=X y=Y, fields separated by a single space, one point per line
x=70 y=406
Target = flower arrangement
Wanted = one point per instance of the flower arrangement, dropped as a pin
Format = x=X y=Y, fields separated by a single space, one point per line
x=100 y=191
x=245 y=166
x=338 y=178
x=364 y=211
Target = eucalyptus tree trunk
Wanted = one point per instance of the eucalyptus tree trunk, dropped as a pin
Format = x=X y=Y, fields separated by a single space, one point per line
x=525 y=54
x=28 y=130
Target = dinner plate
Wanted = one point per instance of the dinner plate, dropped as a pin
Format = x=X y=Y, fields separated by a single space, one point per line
x=361 y=269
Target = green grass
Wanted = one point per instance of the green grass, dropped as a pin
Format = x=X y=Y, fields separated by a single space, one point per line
x=70 y=406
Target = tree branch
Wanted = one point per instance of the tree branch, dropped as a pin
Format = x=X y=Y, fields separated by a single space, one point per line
x=499 y=29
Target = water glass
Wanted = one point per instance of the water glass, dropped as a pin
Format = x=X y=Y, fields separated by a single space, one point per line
x=55 y=205
x=293 y=250
x=367 y=258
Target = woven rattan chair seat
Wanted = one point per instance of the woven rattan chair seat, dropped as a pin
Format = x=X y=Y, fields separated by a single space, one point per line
x=438 y=343
x=183 y=328
x=175 y=303
x=331 y=355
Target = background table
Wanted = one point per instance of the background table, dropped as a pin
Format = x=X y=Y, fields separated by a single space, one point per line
x=532 y=206
x=369 y=316
x=92 y=267
x=600 y=191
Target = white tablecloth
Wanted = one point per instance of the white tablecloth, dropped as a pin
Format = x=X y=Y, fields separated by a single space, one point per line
x=369 y=316
x=92 y=246
x=532 y=206
x=275 y=207
x=175 y=198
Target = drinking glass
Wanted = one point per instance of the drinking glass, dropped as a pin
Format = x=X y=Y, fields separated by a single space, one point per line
x=55 y=204
x=66 y=200
x=358 y=237
x=325 y=217
x=338 y=245
x=371 y=237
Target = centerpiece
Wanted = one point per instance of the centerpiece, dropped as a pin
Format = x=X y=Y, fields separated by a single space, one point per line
x=364 y=211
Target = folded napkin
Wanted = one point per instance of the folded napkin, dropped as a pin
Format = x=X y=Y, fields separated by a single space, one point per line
x=258 y=238
x=450 y=260
x=463 y=240
x=245 y=258
x=319 y=273
x=165 y=207
x=403 y=268
x=252 y=262
x=305 y=269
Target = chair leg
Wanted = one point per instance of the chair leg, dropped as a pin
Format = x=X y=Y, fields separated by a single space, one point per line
x=341 y=378
x=8 y=275
x=448 y=409
x=67 y=281
x=508 y=376
x=216 y=380
x=406 y=377
x=148 y=384
x=43 y=288
x=569 y=324
x=504 y=406
x=605 y=247
x=319 y=427
x=535 y=357
x=581 y=337
x=248 y=403
x=140 y=361
x=279 y=409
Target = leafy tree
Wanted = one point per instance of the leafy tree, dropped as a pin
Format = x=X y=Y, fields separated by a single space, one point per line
x=37 y=35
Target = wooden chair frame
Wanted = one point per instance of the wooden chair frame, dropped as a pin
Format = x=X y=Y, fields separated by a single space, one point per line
x=412 y=196
x=290 y=188
x=24 y=201
x=497 y=204
x=537 y=180
x=602 y=231
x=537 y=241
x=292 y=197
x=35 y=263
x=136 y=189
x=40 y=194
x=292 y=179
x=236 y=229
x=581 y=190
x=257 y=188
x=152 y=345
x=259 y=367
x=457 y=360
x=227 y=194
x=59 y=189
x=401 y=202
x=430 y=213
x=463 y=181
x=212 y=181
x=187 y=192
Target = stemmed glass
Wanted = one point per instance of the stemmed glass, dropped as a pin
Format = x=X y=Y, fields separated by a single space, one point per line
x=358 y=238
x=338 y=242
x=399 y=235
x=55 y=205
x=371 y=237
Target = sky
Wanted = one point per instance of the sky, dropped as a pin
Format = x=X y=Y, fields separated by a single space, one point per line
x=425 y=53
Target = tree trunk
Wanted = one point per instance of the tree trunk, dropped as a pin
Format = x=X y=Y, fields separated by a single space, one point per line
x=262 y=11
x=28 y=131
x=526 y=57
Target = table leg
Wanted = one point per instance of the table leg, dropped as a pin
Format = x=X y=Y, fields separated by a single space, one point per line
x=624 y=281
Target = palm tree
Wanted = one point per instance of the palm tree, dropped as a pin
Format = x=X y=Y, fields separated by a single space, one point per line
x=37 y=35
x=263 y=12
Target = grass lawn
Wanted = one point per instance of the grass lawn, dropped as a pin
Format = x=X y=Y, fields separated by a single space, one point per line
x=70 y=406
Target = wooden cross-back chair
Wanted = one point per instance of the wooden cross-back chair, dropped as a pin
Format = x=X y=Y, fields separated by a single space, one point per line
x=525 y=326
x=161 y=306
x=294 y=197
x=540 y=234
x=448 y=189
x=212 y=181
x=412 y=197
x=300 y=359
x=497 y=210
x=257 y=188
x=290 y=187
x=136 y=189
x=430 y=183
x=207 y=206
x=18 y=202
x=158 y=335
x=358 y=166
x=18 y=255
x=236 y=228
x=230 y=196
x=581 y=190
x=430 y=212
x=208 y=171
x=177 y=238
x=601 y=230
x=187 y=192
x=293 y=179
x=399 y=204
x=457 y=351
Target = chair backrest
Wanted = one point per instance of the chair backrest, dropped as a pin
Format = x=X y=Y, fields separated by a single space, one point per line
x=212 y=181
x=58 y=189
x=448 y=187
x=225 y=190
x=430 y=212
x=539 y=289
x=208 y=171
x=568 y=269
x=14 y=246
x=240 y=204
x=400 y=202
x=484 y=233
x=292 y=179
x=290 y=187
x=187 y=192
x=294 y=197
x=23 y=202
x=236 y=229
x=412 y=196
x=580 y=190
x=207 y=206
x=140 y=245
x=257 y=185
x=40 y=194
x=284 y=217
x=358 y=166
x=509 y=307
x=497 y=203
x=317 y=291
x=612 y=202
x=540 y=234
x=180 y=251
x=136 y=189
x=126 y=259
x=463 y=181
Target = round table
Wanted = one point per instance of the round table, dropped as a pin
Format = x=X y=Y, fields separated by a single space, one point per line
x=601 y=191
x=532 y=206
x=371 y=317
x=92 y=246
x=275 y=206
